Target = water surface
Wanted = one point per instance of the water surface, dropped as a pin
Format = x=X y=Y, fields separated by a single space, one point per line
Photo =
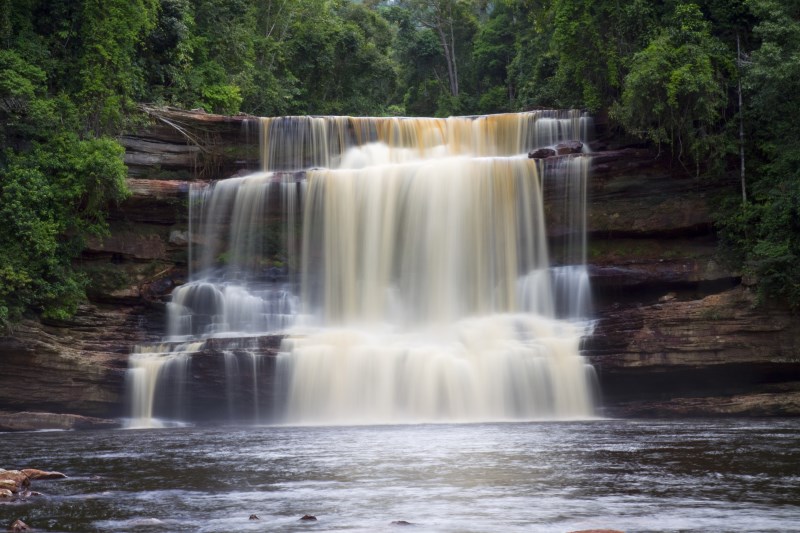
x=706 y=475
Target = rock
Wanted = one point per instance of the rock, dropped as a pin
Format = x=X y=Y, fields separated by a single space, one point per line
x=72 y=366
x=204 y=144
x=541 y=153
x=128 y=244
x=34 y=474
x=19 y=525
x=16 y=481
x=720 y=355
x=13 y=480
x=35 y=421
x=180 y=238
x=5 y=493
x=254 y=517
x=401 y=523
x=309 y=518
x=668 y=297
x=569 y=147
x=9 y=485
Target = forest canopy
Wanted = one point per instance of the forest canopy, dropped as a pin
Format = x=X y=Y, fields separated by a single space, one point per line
x=671 y=73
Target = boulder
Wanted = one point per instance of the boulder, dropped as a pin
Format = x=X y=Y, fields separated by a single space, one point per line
x=569 y=147
x=16 y=481
x=34 y=474
x=541 y=153
x=308 y=518
x=19 y=525
x=13 y=480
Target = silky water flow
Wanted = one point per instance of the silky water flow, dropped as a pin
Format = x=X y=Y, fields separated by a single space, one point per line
x=404 y=263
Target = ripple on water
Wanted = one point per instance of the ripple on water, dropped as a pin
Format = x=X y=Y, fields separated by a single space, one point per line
x=634 y=476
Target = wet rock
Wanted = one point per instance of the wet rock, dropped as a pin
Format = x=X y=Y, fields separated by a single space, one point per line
x=74 y=366
x=717 y=356
x=19 y=525
x=35 y=421
x=254 y=517
x=128 y=245
x=180 y=238
x=13 y=480
x=569 y=147
x=401 y=523
x=34 y=474
x=542 y=153
x=309 y=518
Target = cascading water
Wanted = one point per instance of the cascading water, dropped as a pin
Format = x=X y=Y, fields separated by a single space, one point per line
x=405 y=261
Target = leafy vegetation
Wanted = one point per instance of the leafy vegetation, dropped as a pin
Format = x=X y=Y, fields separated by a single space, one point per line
x=668 y=72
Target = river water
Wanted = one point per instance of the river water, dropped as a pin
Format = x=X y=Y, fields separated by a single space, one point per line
x=709 y=475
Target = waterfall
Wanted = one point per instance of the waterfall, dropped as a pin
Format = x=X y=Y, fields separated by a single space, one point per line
x=408 y=264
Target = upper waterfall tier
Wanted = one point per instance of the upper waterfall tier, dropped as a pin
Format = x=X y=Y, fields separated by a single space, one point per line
x=297 y=143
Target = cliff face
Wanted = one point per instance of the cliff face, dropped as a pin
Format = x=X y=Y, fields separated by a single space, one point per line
x=676 y=333
x=78 y=366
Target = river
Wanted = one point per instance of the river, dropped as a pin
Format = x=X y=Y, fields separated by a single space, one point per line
x=633 y=475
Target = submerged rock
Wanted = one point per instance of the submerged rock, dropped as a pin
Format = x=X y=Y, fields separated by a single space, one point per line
x=254 y=517
x=19 y=525
x=401 y=523
x=308 y=517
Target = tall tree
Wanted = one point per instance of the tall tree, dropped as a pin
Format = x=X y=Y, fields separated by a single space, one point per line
x=675 y=91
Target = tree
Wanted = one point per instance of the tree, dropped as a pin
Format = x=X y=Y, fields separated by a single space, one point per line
x=492 y=55
x=765 y=233
x=675 y=91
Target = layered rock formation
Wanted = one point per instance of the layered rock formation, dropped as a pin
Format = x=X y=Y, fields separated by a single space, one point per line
x=676 y=333
x=78 y=366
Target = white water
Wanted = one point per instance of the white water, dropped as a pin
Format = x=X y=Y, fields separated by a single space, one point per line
x=408 y=261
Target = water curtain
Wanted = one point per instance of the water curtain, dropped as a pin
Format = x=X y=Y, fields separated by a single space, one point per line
x=406 y=261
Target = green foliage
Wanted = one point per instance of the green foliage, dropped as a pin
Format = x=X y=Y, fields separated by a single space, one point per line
x=49 y=198
x=764 y=234
x=57 y=176
x=108 y=77
x=674 y=92
x=222 y=99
